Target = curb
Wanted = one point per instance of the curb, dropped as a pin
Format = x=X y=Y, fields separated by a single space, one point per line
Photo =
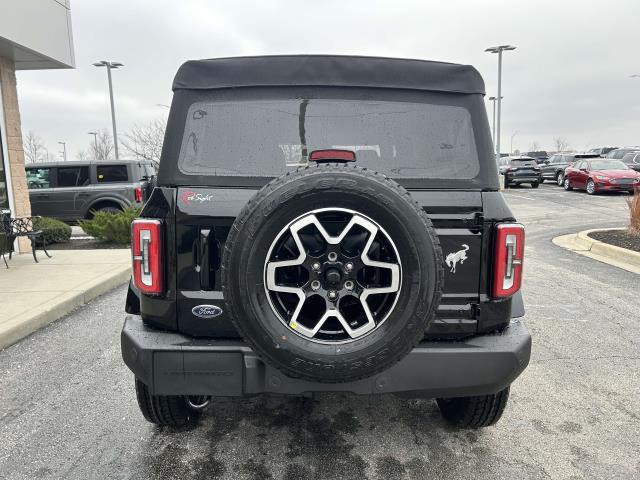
x=582 y=244
x=24 y=325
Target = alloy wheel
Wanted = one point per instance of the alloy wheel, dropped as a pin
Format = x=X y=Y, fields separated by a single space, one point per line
x=560 y=179
x=333 y=275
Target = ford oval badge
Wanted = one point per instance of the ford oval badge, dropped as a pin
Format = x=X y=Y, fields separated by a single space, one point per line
x=206 y=311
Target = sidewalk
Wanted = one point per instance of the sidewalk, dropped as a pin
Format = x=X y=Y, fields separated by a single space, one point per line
x=33 y=295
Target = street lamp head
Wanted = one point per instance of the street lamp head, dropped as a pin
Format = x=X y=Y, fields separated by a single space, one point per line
x=105 y=63
x=499 y=48
x=492 y=98
x=635 y=75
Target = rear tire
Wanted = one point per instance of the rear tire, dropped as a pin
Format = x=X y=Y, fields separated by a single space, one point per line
x=165 y=410
x=535 y=185
x=567 y=185
x=109 y=209
x=560 y=179
x=474 y=412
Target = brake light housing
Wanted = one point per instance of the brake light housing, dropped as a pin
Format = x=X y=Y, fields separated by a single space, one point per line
x=508 y=259
x=138 y=194
x=147 y=255
x=332 y=155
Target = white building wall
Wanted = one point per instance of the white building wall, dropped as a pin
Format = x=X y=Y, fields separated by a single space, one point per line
x=36 y=34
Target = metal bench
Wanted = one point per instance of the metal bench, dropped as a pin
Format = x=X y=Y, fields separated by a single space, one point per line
x=12 y=228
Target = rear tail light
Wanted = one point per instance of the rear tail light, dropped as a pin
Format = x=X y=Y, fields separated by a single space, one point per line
x=536 y=168
x=508 y=257
x=138 y=194
x=146 y=250
x=512 y=169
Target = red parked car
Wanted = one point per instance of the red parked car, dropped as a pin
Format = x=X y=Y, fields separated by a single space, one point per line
x=601 y=175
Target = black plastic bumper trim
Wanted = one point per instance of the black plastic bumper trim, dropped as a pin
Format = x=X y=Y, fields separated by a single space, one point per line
x=174 y=364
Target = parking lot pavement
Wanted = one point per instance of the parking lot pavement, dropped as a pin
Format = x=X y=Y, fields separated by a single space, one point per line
x=68 y=410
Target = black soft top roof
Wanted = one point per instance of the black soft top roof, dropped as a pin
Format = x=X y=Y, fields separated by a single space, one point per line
x=328 y=70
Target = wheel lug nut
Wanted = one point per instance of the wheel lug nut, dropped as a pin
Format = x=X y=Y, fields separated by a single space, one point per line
x=332 y=294
x=349 y=266
x=333 y=256
x=315 y=285
x=316 y=266
x=348 y=285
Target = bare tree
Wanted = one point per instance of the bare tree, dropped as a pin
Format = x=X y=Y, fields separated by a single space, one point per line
x=101 y=148
x=145 y=141
x=534 y=146
x=561 y=144
x=34 y=150
x=83 y=155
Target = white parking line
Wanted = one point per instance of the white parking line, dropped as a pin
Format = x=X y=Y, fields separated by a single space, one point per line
x=523 y=196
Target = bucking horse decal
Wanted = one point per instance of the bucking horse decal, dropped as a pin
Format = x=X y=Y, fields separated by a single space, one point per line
x=453 y=258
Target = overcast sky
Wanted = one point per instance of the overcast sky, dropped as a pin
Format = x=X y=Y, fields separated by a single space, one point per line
x=569 y=77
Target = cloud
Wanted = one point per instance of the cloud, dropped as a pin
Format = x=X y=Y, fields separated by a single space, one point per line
x=568 y=77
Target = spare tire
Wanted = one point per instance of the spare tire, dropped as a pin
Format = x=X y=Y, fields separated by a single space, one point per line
x=332 y=273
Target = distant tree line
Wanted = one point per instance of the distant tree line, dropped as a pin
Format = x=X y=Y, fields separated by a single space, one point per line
x=143 y=141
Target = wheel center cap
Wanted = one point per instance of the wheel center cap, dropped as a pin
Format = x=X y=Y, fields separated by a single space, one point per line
x=332 y=276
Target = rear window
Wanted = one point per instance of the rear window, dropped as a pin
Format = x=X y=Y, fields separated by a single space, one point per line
x=524 y=163
x=268 y=137
x=73 y=176
x=111 y=173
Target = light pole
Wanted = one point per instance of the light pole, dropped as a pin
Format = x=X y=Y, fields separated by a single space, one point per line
x=499 y=49
x=64 y=150
x=110 y=65
x=513 y=135
x=95 y=141
x=493 y=127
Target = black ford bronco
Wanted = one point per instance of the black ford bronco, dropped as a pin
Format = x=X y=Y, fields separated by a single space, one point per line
x=326 y=223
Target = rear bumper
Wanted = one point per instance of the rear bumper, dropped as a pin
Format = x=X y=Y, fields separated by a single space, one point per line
x=173 y=364
x=524 y=179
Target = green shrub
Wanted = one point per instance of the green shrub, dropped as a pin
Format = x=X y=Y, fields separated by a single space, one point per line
x=53 y=231
x=111 y=227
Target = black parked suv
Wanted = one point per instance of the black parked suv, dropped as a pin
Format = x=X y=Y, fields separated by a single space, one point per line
x=519 y=170
x=326 y=223
x=553 y=168
x=72 y=190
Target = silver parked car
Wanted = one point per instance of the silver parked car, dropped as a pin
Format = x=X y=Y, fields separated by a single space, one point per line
x=72 y=190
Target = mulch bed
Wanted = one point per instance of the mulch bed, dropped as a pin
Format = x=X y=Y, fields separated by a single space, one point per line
x=619 y=238
x=85 y=244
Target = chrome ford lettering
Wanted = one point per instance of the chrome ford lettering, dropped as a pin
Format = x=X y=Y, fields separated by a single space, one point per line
x=206 y=311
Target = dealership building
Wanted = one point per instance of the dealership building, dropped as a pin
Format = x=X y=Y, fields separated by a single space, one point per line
x=34 y=35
